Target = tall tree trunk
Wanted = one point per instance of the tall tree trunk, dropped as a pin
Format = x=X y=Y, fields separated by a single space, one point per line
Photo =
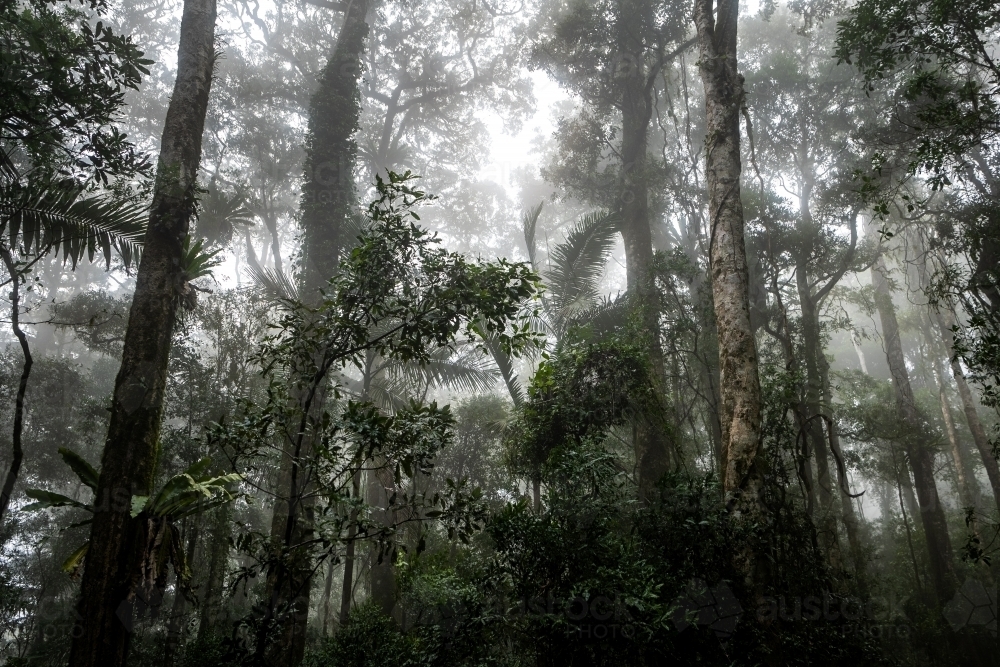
x=652 y=441
x=128 y=464
x=740 y=385
x=826 y=518
x=17 y=450
x=946 y=321
x=381 y=569
x=218 y=558
x=847 y=514
x=175 y=623
x=328 y=194
x=327 y=600
x=968 y=491
x=920 y=455
x=328 y=199
x=347 y=593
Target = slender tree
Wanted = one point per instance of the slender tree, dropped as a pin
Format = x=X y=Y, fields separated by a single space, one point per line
x=740 y=412
x=918 y=451
x=128 y=465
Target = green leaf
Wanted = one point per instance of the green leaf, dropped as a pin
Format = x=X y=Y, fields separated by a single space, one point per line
x=86 y=472
x=71 y=565
x=138 y=505
x=46 y=499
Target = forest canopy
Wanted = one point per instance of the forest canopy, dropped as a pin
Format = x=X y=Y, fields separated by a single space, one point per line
x=463 y=333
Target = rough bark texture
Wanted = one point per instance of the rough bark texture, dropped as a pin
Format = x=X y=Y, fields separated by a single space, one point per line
x=946 y=321
x=921 y=456
x=128 y=464
x=328 y=199
x=328 y=194
x=740 y=385
x=17 y=449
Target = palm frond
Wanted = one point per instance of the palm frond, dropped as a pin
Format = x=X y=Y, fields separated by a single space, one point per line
x=220 y=214
x=576 y=264
x=468 y=372
x=355 y=226
x=277 y=285
x=529 y=223
x=59 y=216
x=605 y=316
x=506 y=367
x=8 y=170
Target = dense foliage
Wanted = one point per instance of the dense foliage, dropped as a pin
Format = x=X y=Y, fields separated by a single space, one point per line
x=691 y=358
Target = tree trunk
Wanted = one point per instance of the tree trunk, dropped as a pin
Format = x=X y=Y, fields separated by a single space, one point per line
x=967 y=491
x=946 y=321
x=826 y=518
x=328 y=199
x=328 y=195
x=921 y=457
x=17 y=454
x=327 y=601
x=381 y=566
x=652 y=441
x=128 y=464
x=175 y=623
x=847 y=514
x=350 y=558
x=739 y=382
x=218 y=558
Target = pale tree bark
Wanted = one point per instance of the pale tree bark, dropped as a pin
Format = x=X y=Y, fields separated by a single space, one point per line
x=128 y=464
x=739 y=382
x=919 y=453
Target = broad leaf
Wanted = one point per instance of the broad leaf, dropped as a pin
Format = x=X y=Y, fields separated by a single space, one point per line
x=86 y=472
x=46 y=499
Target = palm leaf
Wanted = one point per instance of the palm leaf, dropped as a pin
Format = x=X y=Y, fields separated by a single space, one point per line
x=59 y=216
x=605 y=316
x=220 y=214
x=276 y=284
x=505 y=365
x=529 y=223
x=576 y=264
x=469 y=371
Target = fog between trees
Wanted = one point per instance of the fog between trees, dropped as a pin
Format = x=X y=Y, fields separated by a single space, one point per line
x=628 y=332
